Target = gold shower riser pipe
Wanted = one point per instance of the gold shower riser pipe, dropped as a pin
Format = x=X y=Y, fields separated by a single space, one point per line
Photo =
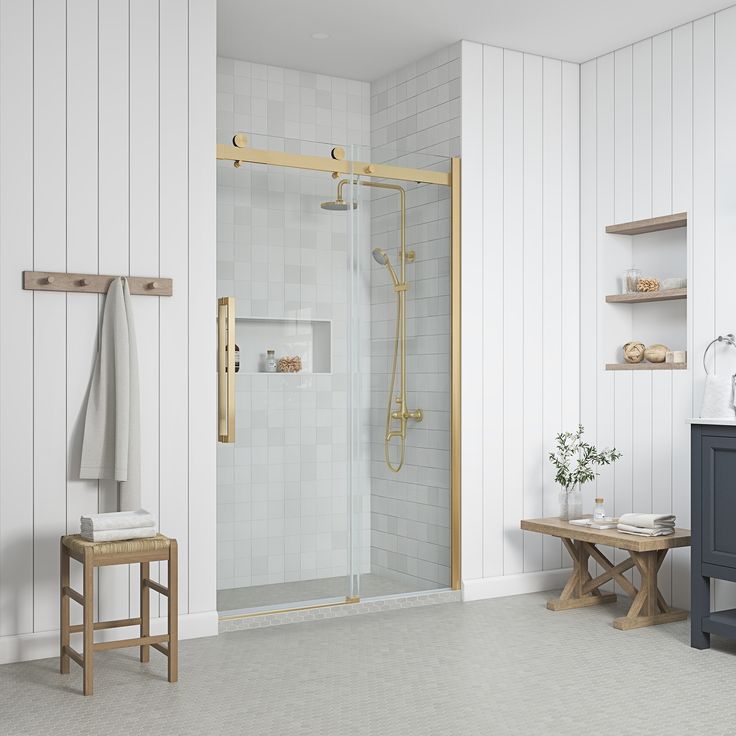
x=319 y=163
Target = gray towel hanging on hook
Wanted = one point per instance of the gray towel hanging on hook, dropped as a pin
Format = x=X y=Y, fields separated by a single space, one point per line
x=111 y=446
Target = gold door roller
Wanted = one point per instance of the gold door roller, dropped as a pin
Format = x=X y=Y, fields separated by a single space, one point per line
x=226 y=368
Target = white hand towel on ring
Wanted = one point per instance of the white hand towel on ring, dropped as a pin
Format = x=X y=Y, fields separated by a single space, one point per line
x=718 y=398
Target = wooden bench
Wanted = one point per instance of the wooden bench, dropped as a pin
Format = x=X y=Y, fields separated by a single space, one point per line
x=648 y=606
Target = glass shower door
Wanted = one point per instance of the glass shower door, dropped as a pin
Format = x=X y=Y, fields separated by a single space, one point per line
x=286 y=538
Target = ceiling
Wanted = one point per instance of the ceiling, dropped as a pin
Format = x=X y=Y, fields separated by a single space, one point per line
x=371 y=38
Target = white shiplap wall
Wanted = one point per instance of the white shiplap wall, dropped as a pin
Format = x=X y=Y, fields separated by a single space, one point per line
x=107 y=131
x=520 y=308
x=657 y=121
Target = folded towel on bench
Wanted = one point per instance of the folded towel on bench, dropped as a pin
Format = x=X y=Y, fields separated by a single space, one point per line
x=114 y=535
x=648 y=521
x=117 y=520
x=644 y=531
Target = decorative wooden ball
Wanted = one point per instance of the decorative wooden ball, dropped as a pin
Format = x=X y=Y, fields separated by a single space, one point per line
x=634 y=352
x=656 y=353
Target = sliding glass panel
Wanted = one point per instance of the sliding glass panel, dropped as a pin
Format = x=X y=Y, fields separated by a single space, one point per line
x=284 y=488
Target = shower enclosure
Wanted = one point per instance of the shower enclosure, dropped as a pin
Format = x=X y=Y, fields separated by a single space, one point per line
x=338 y=320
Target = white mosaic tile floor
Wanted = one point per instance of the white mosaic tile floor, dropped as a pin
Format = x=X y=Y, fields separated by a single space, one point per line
x=503 y=667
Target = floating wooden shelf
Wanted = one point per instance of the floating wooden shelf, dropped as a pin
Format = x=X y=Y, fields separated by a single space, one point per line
x=648 y=296
x=651 y=225
x=646 y=366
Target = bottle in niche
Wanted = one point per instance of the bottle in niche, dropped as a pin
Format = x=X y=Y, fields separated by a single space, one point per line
x=599 y=512
x=270 y=361
x=237 y=357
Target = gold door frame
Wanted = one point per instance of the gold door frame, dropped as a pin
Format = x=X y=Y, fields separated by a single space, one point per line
x=336 y=165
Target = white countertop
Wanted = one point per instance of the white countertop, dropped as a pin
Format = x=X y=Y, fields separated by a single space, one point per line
x=717 y=422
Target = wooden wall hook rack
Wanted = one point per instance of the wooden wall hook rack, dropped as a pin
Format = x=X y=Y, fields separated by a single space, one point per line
x=94 y=283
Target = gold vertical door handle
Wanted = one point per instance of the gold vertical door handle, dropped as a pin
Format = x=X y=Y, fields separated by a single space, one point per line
x=226 y=368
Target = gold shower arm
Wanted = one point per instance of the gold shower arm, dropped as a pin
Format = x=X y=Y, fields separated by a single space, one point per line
x=226 y=369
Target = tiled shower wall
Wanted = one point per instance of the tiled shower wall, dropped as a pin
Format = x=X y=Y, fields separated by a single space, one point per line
x=414 y=111
x=282 y=488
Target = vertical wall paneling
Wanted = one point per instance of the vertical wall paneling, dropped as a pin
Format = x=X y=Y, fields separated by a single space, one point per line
x=682 y=118
x=702 y=273
x=682 y=201
x=109 y=84
x=662 y=123
x=82 y=147
x=551 y=289
x=570 y=284
x=725 y=204
x=588 y=251
x=471 y=308
x=623 y=132
x=493 y=301
x=642 y=138
x=144 y=241
x=114 y=221
x=612 y=326
x=662 y=430
x=526 y=307
x=680 y=563
x=571 y=254
x=173 y=181
x=622 y=250
x=49 y=313
x=531 y=286
x=513 y=315
x=665 y=124
x=16 y=318
x=702 y=305
x=202 y=269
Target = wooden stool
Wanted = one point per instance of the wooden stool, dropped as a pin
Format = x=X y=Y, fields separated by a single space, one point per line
x=124 y=552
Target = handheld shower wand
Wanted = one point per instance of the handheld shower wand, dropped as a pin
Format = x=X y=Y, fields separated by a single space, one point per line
x=400 y=414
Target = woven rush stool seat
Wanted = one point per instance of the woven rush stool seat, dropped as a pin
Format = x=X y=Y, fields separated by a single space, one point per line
x=122 y=552
x=75 y=543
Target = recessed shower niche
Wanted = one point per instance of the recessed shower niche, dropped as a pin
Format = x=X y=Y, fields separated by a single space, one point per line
x=308 y=339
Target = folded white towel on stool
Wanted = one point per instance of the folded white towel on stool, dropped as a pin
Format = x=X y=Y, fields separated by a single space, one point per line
x=114 y=535
x=117 y=520
x=648 y=521
x=642 y=531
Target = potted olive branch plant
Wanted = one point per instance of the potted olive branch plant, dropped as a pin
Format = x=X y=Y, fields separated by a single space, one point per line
x=575 y=461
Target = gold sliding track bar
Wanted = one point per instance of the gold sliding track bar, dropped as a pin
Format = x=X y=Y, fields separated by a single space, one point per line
x=330 y=165
x=455 y=571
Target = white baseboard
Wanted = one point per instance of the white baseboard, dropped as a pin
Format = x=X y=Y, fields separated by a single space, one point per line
x=42 y=644
x=526 y=582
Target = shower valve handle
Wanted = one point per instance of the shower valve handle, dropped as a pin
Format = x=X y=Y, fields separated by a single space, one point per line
x=417 y=415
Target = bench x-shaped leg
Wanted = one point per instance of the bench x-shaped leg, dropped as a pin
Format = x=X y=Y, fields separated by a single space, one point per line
x=580 y=590
x=648 y=606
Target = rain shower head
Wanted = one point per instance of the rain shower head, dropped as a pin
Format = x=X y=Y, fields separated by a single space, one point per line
x=338 y=205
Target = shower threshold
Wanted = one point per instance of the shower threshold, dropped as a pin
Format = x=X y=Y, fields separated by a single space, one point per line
x=303 y=594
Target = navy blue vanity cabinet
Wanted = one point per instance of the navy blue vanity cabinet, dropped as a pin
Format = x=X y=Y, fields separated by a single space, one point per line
x=713 y=496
